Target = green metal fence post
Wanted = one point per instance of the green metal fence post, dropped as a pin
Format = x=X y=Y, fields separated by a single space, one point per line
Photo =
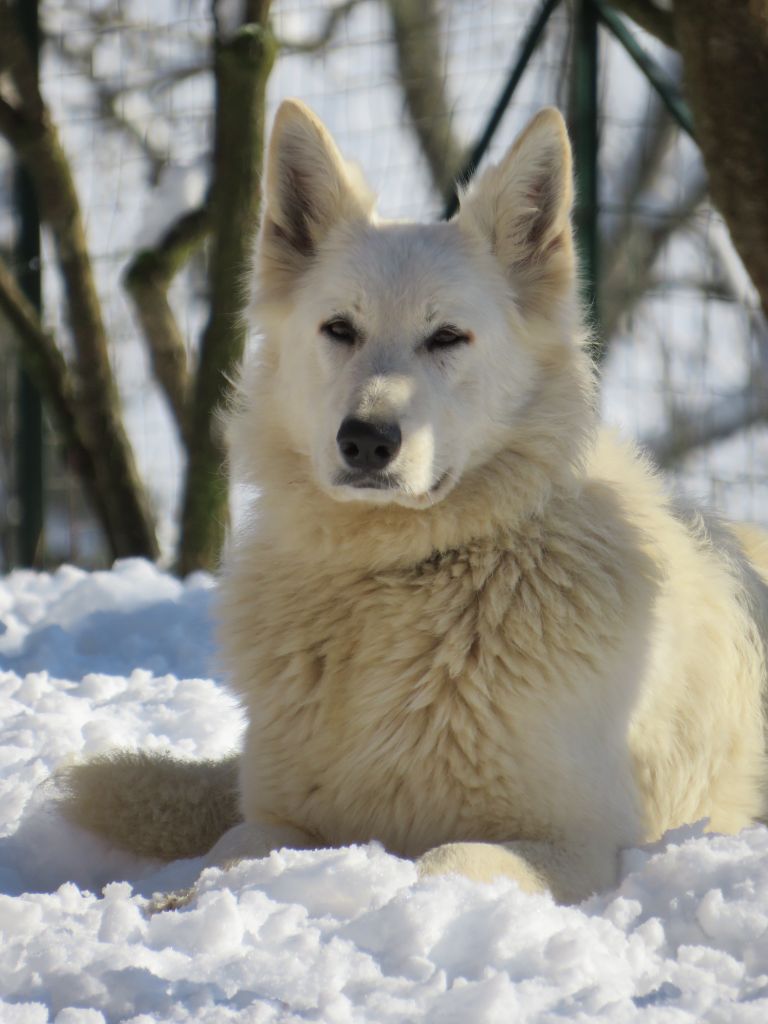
x=656 y=76
x=584 y=129
x=528 y=46
x=29 y=435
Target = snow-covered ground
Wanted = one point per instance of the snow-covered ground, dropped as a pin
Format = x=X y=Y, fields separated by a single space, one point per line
x=88 y=662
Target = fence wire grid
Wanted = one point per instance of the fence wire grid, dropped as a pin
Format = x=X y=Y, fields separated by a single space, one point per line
x=130 y=87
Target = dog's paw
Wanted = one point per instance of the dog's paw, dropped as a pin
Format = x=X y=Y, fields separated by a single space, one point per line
x=482 y=862
x=252 y=841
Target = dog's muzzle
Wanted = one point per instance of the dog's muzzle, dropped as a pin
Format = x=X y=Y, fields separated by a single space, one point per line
x=367 y=448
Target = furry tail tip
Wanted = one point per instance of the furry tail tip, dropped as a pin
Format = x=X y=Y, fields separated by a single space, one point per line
x=152 y=805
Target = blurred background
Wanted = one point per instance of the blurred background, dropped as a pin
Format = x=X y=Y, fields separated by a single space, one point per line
x=130 y=136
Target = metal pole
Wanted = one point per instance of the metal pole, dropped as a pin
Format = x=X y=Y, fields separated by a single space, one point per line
x=584 y=115
x=29 y=436
x=527 y=48
x=657 y=77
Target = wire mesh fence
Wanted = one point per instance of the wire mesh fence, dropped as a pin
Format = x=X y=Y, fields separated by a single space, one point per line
x=404 y=88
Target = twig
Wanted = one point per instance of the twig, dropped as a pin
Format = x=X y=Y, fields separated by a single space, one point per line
x=147 y=280
x=690 y=431
x=645 y=164
x=109 y=106
x=629 y=273
x=737 y=411
x=333 y=19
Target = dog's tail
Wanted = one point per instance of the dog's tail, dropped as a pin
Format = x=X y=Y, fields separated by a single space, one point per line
x=152 y=805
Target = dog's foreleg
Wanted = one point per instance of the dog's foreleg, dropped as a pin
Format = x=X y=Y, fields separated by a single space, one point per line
x=571 y=875
x=252 y=840
x=246 y=841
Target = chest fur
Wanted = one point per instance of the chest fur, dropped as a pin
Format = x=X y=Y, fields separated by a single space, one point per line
x=416 y=705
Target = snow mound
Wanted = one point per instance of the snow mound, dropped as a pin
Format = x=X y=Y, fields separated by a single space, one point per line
x=92 y=661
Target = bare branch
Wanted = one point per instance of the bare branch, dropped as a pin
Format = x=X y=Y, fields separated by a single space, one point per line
x=416 y=36
x=629 y=272
x=708 y=287
x=333 y=19
x=111 y=19
x=16 y=59
x=728 y=265
x=12 y=122
x=37 y=145
x=168 y=79
x=109 y=105
x=640 y=173
x=735 y=412
x=651 y=18
x=147 y=280
x=644 y=165
x=39 y=352
x=691 y=431
x=46 y=366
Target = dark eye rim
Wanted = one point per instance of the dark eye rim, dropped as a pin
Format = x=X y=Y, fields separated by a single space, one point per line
x=340 y=330
x=447 y=336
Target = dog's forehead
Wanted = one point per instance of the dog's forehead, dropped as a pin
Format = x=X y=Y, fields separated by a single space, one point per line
x=399 y=270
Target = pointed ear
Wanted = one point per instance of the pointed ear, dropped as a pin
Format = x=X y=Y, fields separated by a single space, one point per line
x=521 y=207
x=309 y=188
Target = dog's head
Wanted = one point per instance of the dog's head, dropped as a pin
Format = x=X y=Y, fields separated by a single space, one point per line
x=404 y=355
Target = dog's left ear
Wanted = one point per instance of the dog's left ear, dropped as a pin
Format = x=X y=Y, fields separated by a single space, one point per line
x=309 y=188
x=521 y=207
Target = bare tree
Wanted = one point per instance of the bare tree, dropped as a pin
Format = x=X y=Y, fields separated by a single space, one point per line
x=724 y=47
x=81 y=393
x=26 y=123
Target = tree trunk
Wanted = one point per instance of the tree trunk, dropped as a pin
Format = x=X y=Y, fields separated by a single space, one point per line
x=241 y=65
x=122 y=504
x=422 y=74
x=47 y=368
x=130 y=528
x=724 y=46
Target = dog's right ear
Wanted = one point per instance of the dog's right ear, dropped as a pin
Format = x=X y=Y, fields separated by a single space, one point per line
x=309 y=188
x=521 y=207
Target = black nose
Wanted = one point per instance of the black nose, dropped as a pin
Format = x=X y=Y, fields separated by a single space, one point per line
x=369 y=446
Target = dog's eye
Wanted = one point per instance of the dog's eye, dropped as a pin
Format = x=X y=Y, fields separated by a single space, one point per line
x=446 y=337
x=339 y=330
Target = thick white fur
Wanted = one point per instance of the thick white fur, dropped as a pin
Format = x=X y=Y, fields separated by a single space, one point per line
x=522 y=656
x=552 y=658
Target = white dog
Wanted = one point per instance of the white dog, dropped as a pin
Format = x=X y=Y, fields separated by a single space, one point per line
x=463 y=621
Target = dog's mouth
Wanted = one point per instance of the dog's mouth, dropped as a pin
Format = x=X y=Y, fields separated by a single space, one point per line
x=439 y=485
x=367 y=480
x=383 y=482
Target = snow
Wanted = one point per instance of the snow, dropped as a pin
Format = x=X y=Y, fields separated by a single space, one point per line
x=90 y=661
